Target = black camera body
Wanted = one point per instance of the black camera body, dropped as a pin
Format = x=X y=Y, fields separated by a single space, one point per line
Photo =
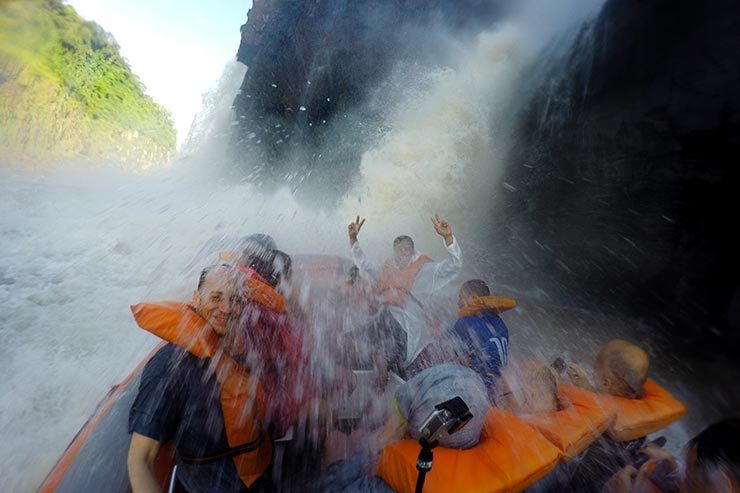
x=447 y=417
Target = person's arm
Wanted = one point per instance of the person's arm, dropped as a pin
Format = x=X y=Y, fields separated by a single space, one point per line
x=141 y=455
x=152 y=420
x=447 y=269
x=439 y=274
x=358 y=255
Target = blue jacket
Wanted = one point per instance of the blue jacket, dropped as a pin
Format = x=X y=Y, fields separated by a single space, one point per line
x=485 y=340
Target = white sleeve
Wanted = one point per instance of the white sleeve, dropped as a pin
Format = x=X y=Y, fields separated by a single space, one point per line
x=436 y=275
x=362 y=262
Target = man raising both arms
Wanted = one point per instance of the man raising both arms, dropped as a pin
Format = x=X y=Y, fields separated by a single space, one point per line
x=406 y=281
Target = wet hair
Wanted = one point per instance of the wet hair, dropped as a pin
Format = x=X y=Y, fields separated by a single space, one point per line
x=258 y=257
x=718 y=448
x=204 y=273
x=475 y=287
x=258 y=252
x=282 y=268
x=626 y=364
x=262 y=240
x=401 y=238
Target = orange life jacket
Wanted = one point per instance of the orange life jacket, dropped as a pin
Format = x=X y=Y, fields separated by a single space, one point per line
x=479 y=303
x=394 y=284
x=637 y=418
x=259 y=291
x=510 y=456
x=241 y=396
x=575 y=427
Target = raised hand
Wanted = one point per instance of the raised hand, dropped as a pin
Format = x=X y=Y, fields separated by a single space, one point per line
x=443 y=229
x=354 y=229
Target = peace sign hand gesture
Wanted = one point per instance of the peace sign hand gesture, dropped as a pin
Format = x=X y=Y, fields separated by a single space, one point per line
x=443 y=229
x=354 y=229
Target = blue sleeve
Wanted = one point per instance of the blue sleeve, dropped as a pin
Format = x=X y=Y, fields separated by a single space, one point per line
x=154 y=412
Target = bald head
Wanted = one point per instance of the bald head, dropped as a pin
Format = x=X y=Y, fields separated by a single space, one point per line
x=621 y=369
x=528 y=387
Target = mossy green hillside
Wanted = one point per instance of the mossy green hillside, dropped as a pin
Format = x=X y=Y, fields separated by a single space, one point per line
x=66 y=91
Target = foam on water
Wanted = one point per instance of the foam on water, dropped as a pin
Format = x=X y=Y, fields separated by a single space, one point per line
x=79 y=246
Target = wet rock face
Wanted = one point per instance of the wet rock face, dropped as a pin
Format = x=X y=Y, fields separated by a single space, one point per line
x=626 y=168
x=312 y=61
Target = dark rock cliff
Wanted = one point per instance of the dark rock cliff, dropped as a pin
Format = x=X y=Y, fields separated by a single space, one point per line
x=626 y=167
x=311 y=62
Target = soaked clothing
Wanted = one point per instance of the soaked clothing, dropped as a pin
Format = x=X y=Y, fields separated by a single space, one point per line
x=178 y=400
x=431 y=277
x=416 y=399
x=275 y=351
x=588 y=472
x=484 y=340
x=383 y=336
x=354 y=475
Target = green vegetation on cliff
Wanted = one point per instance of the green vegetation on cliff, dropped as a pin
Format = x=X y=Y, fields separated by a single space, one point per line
x=66 y=91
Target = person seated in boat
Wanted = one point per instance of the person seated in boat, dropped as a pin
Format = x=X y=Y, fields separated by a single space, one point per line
x=273 y=343
x=256 y=244
x=480 y=337
x=412 y=402
x=711 y=465
x=405 y=282
x=356 y=295
x=351 y=458
x=365 y=335
x=642 y=407
x=620 y=369
x=527 y=387
x=529 y=390
x=193 y=392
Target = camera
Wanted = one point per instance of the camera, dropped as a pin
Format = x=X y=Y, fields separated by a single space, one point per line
x=447 y=417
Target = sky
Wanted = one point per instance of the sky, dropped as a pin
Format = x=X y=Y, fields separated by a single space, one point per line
x=178 y=48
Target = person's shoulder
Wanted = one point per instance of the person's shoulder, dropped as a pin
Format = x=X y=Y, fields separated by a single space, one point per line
x=489 y=313
x=167 y=360
x=464 y=325
x=473 y=321
x=490 y=317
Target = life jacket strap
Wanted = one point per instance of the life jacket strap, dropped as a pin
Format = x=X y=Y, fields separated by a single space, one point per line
x=230 y=453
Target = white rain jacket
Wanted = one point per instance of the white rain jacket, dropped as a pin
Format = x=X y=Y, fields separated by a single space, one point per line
x=431 y=277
